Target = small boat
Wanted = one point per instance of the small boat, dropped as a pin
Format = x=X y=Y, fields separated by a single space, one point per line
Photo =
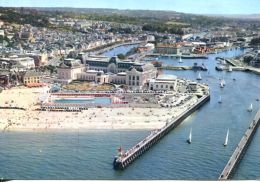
x=221 y=84
x=180 y=60
x=219 y=68
x=250 y=108
x=234 y=79
x=226 y=140
x=220 y=99
x=230 y=69
x=257 y=99
x=223 y=81
x=189 y=139
x=199 y=77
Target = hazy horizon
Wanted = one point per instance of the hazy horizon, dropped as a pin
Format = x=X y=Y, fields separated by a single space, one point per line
x=209 y=7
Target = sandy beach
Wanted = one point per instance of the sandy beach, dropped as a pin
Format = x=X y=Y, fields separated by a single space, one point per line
x=93 y=118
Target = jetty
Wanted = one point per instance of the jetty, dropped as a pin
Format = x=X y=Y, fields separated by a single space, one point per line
x=241 y=148
x=124 y=159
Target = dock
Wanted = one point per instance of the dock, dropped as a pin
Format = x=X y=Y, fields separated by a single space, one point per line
x=124 y=159
x=241 y=148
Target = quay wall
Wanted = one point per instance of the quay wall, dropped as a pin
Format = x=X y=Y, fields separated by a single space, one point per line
x=120 y=163
x=240 y=150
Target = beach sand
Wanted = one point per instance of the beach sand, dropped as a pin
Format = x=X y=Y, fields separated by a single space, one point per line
x=93 y=118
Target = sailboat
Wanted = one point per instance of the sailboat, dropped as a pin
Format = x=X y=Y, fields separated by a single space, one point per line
x=189 y=139
x=223 y=81
x=226 y=140
x=229 y=69
x=250 y=108
x=199 y=77
x=221 y=84
x=220 y=99
x=180 y=60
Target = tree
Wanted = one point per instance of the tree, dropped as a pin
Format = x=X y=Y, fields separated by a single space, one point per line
x=255 y=41
x=121 y=56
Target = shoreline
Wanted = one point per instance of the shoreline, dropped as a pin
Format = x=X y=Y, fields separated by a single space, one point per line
x=122 y=118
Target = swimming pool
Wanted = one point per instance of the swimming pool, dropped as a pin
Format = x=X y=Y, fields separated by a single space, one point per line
x=95 y=100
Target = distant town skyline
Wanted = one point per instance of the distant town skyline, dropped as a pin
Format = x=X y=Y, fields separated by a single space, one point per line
x=186 y=6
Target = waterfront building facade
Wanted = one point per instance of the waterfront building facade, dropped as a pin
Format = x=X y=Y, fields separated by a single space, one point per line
x=133 y=74
x=25 y=62
x=69 y=70
x=167 y=49
x=163 y=82
x=31 y=78
x=107 y=70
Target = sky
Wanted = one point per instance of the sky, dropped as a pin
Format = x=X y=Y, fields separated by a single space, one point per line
x=186 y=6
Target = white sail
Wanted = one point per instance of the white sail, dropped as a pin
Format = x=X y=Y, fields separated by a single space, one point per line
x=180 y=60
x=199 y=76
x=226 y=140
x=190 y=136
x=220 y=99
x=221 y=84
x=223 y=81
x=229 y=68
x=250 y=108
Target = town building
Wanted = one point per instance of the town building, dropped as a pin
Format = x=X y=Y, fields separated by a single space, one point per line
x=69 y=70
x=163 y=82
x=32 y=78
x=145 y=48
x=167 y=49
x=4 y=78
x=133 y=74
x=256 y=61
x=107 y=70
x=25 y=62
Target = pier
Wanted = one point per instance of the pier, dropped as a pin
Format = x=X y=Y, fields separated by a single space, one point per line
x=240 y=149
x=124 y=159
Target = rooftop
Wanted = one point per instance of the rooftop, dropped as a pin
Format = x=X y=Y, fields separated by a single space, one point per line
x=166 y=77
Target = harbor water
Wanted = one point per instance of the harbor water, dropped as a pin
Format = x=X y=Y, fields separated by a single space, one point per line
x=119 y=50
x=89 y=154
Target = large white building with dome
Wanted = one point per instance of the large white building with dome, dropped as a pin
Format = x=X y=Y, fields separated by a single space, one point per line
x=102 y=69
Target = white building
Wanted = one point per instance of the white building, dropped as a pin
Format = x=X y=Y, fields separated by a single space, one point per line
x=163 y=82
x=69 y=71
x=25 y=62
x=103 y=70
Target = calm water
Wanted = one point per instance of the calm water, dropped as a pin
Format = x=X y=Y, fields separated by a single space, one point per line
x=89 y=154
x=96 y=100
x=119 y=50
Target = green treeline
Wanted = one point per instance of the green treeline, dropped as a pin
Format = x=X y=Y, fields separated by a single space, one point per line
x=33 y=18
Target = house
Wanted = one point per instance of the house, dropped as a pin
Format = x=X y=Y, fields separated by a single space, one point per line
x=32 y=78
x=4 y=78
